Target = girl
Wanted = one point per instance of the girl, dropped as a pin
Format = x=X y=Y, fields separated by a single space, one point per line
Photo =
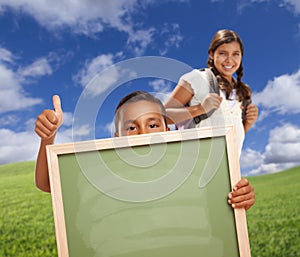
x=191 y=98
x=192 y=102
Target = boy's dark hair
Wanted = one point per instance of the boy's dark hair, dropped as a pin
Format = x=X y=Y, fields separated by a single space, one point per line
x=137 y=96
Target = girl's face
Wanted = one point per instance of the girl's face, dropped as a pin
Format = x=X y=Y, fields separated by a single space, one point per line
x=227 y=59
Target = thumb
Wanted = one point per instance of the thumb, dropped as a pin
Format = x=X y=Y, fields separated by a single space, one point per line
x=57 y=109
x=56 y=104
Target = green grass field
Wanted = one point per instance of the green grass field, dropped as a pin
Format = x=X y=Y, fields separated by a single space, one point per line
x=274 y=220
x=26 y=217
x=27 y=228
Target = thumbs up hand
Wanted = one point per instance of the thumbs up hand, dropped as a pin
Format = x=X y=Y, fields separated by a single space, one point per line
x=49 y=121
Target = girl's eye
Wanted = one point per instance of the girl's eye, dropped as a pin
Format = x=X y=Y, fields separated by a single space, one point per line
x=221 y=53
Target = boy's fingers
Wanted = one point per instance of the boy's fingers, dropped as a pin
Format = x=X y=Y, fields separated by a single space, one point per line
x=242 y=183
x=44 y=128
x=49 y=121
x=245 y=204
x=243 y=195
x=57 y=109
x=56 y=104
x=51 y=118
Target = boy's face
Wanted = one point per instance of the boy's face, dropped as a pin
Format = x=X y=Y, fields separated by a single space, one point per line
x=140 y=117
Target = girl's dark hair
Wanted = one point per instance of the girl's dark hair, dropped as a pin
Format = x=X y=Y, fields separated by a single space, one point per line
x=137 y=96
x=224 y=37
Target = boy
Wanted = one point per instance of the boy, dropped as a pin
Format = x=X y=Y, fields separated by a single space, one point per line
x=137 y=113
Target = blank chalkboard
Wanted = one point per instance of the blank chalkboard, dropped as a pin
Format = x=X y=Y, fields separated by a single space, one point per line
x=160 y=194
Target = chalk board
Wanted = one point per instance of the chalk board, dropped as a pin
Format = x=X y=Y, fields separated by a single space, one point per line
x=160 y=194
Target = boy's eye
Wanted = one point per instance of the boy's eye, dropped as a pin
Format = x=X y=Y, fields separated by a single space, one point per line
x=131 y=128
x=154 y=125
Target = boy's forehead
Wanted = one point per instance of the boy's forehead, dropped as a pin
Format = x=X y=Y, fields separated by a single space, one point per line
x=137 y=109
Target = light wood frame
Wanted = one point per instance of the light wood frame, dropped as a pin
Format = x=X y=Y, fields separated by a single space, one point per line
x=53 y=151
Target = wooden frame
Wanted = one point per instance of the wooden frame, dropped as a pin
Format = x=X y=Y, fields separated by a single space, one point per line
x=192 y=137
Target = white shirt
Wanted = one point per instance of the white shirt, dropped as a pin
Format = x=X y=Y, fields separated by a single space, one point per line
x=230 y=111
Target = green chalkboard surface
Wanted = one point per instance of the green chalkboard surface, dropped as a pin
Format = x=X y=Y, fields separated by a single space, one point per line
x=167 y=198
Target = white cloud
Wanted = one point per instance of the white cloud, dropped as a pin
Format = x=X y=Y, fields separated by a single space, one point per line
x=5 y=55
x=91 y=17
x=139 y=40
x=40 y=67
x=12 y=96
x=80 y=132
x=271 y=168
x=87 y=17
x=81 y=16
x=110 y=128
x=24 y=145
x=281 y=95
x=284 y=145
x=92 y=68
x=294 y=5
x=251 y=158
x=291 y=5
x=97 y=75
x=282 y=152
x=9 y=120
x=103 y=73
x=16 y=147
x=161 y=85
x=67 y=118
x=172 y=35
x=162 y=89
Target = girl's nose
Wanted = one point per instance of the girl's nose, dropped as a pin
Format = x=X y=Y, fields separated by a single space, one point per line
x=228 y=58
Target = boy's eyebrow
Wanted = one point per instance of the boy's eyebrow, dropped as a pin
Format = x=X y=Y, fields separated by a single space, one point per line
x=153 y=119
x=127 y=122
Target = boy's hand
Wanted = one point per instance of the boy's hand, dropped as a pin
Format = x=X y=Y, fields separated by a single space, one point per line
x=49 y=121
x=242 y=195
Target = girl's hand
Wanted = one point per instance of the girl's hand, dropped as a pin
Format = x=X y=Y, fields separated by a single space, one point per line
x=251 y=114
x=242 y=195
x=212 y=101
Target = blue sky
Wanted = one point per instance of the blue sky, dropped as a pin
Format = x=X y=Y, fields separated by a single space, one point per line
x=63 y=47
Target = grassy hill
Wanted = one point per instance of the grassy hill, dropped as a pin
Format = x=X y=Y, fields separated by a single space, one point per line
x=26 y=217
x=274 y=220
x=27 y=228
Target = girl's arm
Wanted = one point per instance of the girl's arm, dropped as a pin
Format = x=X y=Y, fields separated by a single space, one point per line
x=175 y=106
